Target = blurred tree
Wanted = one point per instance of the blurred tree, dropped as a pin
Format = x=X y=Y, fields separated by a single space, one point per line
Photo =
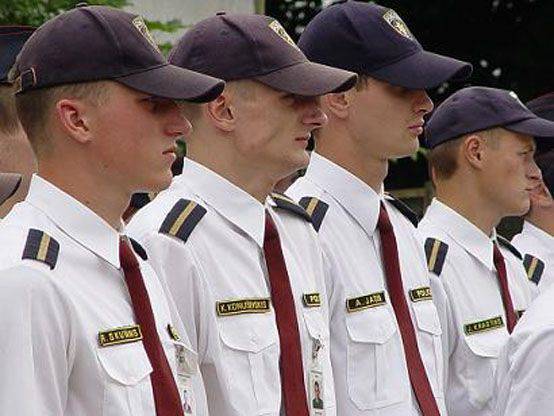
x=36 y=12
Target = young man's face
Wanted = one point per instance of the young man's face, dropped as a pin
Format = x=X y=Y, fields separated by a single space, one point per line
x=510 y=173
x=387 y=120
x=135 y=138
x=273 y=127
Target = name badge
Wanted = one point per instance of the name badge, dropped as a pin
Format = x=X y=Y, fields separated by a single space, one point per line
x=483 y=326
x=421 y=293
x=242 y=306
x=311 y=300
x=121 y=335
x=370 y=300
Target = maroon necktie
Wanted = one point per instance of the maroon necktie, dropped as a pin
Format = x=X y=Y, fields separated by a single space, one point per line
x=166 y=394
x=511 y=318
x=416 y=370
x=292 y=371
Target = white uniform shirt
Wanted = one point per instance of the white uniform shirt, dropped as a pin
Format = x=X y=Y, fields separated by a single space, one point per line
x=369 y=364
x=470 y=281
x=222 y=261
x=540 y=244
x=525 y=374
x=51 y=362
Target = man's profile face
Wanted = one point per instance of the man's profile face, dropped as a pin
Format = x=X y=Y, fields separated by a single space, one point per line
x=510 y=173
x=134 y=138
x=386 y=120
x=273 y=127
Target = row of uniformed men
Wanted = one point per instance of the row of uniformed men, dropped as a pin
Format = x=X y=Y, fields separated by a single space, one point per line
x=332 y=305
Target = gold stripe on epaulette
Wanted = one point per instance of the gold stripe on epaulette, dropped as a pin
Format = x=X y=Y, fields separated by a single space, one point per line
x=434 y=254
x=242 y=306
x=43 y=247
x=312 y=206
x=121 y=335
x=532 y=267
x=181 y=219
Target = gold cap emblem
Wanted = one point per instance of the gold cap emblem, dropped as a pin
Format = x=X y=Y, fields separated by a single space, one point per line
x=140 y=24
x=282 y=33
x=395 y=21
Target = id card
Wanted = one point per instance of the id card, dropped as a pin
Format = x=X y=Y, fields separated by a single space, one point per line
x=187 y=365
x=317 y=406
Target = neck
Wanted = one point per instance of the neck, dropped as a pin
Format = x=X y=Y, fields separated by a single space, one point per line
x=337 y=145
x=241 y=172
x=109 y=203
x=542 y=219
x=480 y=212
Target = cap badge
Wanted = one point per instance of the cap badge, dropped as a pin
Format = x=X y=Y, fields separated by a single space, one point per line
x=282 y=33
x=392 y=18
x=515 y=97
x=139 y=23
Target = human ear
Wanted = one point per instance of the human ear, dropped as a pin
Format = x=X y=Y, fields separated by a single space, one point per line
x=473 y=149
x=74 y=119
x=222 y=113
x=337 y=104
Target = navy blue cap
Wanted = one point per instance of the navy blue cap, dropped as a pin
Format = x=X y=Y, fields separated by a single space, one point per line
x=480 y=108
x=545 y=162
x=543 y=107
x=102 y=43
x=246 y=46
x=12 y=39
x=373 y=40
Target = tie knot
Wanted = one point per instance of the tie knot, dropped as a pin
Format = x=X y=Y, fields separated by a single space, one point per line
x=384 y=223
x=126 y=256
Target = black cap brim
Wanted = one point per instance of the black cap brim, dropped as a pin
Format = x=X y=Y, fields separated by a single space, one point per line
x=537 y=127
x=309 y=79
x=9 y=182
x=423 y=70
x=175 y=83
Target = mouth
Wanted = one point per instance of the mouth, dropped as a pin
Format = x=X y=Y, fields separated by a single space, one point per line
x=304 y=138
x=416 y=128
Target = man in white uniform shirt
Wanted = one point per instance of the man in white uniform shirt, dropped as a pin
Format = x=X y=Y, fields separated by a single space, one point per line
x=385 y=332
x=481 y=162
x=244 y=267
x=536 y=240
x=89 y=329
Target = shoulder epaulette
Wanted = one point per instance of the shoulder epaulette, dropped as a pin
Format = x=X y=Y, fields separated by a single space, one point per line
x=139 y=249
x=284 y=202
x=534 y=267
x=41 y=247
x=316 y=209
x=435 y=251
x=505 y=243
x=182 y=219
x=404 y=209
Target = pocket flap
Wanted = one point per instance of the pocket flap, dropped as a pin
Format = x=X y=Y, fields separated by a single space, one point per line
x=250 y=333
x=487 y=344
x=127 y=364
x=316 y=324
x=427 y=317
x=375 y=325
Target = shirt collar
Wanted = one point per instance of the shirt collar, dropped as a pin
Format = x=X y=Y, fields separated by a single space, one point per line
x=461 y=230
x=546 y=239
x=355 y=196
x=75 y=219
x=230 y=201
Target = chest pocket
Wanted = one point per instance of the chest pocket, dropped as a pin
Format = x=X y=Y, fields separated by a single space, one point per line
x=430 y=343
x=127 y=389
x=483 y=351
x=376 y=374
x=251 y=357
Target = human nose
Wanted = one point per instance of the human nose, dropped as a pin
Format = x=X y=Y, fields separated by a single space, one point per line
x=423 y=104
x=314 y=115
x=178 y=125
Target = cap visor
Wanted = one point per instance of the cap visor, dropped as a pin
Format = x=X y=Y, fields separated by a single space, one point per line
x=537 y=127
x=424 y=70
x=309 y=79
x=9 y=182
x=170 y=81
